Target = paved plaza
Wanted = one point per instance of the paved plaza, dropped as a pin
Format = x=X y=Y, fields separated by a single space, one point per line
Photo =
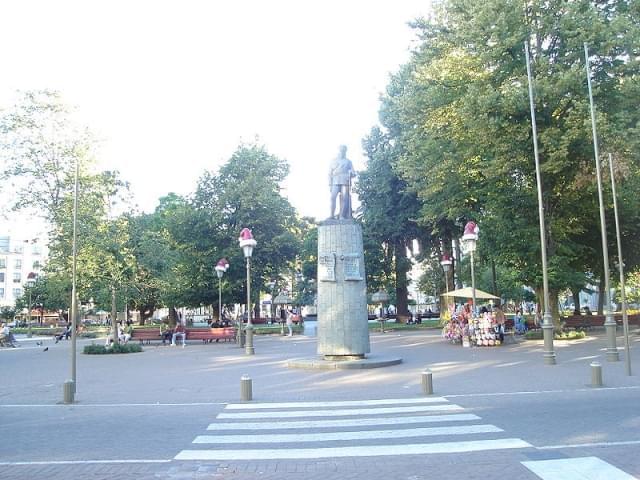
x=174 y=413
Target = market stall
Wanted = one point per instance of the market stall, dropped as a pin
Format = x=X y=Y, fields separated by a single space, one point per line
x=481 y=330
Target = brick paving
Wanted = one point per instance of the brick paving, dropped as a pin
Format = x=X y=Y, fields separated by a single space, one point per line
x=204 y=378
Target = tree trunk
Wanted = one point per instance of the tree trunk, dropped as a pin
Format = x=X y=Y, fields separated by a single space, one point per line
x=555 y=310
x=494 y=278
x=401 y=269
x=173 y=317
x=456 y=278
x=114 y=316
x=575 y=292
x=146 y=312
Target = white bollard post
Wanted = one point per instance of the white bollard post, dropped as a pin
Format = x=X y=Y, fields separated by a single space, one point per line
x=68 y=391
x=596 y=374
x=246 y=390
x=427 y=382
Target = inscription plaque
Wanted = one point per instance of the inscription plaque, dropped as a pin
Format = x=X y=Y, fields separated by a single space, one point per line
x=327 y=267
x=351 y=265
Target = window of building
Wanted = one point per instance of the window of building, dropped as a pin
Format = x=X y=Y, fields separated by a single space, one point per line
x=1 y=292
x=37 y=265
x=1 y=277
x=17 y=277
x=36 y=250
x=3 y=263
x=17 y=263
x=18 y=248
x=4 y=244
x=17 y=292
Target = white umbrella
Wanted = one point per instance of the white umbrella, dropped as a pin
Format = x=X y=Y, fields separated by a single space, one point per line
x=467 y=292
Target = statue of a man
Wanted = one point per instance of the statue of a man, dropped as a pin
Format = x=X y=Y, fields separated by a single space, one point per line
x=340 y=174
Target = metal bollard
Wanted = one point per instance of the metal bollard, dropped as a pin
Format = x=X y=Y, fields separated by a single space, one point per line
x=68 y=390
x=596 y=374
x=246 y=393
x=427 y=382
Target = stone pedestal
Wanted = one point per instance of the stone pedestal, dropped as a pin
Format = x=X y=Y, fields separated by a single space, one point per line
x=343 y=327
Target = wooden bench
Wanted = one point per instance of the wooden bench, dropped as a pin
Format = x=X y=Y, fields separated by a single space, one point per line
x=208 y=335
x=588 y=321
x=145 y=335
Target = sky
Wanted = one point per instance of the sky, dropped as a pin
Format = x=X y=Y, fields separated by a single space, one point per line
x=171 y=88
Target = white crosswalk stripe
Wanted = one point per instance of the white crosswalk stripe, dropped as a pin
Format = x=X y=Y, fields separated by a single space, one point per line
x=342 y=413
x=583 y=468
x=355 y=422
x=346 y=403
x=378 y=428
x=336 y=436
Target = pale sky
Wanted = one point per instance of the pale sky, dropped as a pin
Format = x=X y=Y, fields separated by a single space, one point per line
x=172 y=87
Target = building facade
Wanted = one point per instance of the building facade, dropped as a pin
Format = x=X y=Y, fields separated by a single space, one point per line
x=21 y=262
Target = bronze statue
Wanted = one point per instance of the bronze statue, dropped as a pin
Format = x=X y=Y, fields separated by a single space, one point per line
x=340 y=174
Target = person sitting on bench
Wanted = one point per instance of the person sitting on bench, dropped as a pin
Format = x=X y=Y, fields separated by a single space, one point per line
x=166 y=334
x=179 y=332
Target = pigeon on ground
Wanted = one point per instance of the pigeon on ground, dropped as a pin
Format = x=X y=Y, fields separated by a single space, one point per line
x=38 y=344
x=46 y=349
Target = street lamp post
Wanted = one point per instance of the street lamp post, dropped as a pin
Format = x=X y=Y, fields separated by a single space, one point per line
x=623 y=294
x=221 y=267
x=469 y=239
x=446 y=266
x=609 y=323
x=247 y=243
x=74 y=295
x=547 y=321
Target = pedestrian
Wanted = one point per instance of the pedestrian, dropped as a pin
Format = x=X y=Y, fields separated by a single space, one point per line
x=290 y=323
x=500 y=320
x=519 y=323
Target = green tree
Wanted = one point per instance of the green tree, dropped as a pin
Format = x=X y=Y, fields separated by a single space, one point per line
x=245 y=192
x=39 y=148
x=459 y=114
x=388 y=211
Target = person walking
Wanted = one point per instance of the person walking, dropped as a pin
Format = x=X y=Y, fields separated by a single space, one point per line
x=290 y=323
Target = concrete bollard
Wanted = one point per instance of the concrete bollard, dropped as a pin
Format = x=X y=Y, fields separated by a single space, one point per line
x=68 y=390
x=246 y=390
x=596 y=374
x=427 y=382
x=29 y=332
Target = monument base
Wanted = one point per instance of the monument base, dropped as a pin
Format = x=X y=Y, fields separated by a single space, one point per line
x=343 y=327
x=319 y=363
x=342 y=358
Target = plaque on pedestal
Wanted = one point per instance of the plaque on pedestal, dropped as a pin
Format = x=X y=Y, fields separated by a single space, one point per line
x=327 y=267
x=351 y=266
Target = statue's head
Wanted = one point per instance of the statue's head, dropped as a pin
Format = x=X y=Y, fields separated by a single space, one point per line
x=343 y=150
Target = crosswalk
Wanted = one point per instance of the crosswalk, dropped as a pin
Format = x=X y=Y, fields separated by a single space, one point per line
x=316 y=430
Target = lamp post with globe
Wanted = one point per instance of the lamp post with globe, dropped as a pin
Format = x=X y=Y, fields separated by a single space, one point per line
x=221 y=267
x=446 y=266
x=469 y=240
x=247 y=243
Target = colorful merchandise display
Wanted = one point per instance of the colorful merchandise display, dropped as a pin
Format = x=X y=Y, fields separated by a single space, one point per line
x=479 y=331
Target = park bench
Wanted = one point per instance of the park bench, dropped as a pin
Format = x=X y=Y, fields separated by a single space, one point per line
x=587 y=321
x=145 y=335
x=208 y=335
